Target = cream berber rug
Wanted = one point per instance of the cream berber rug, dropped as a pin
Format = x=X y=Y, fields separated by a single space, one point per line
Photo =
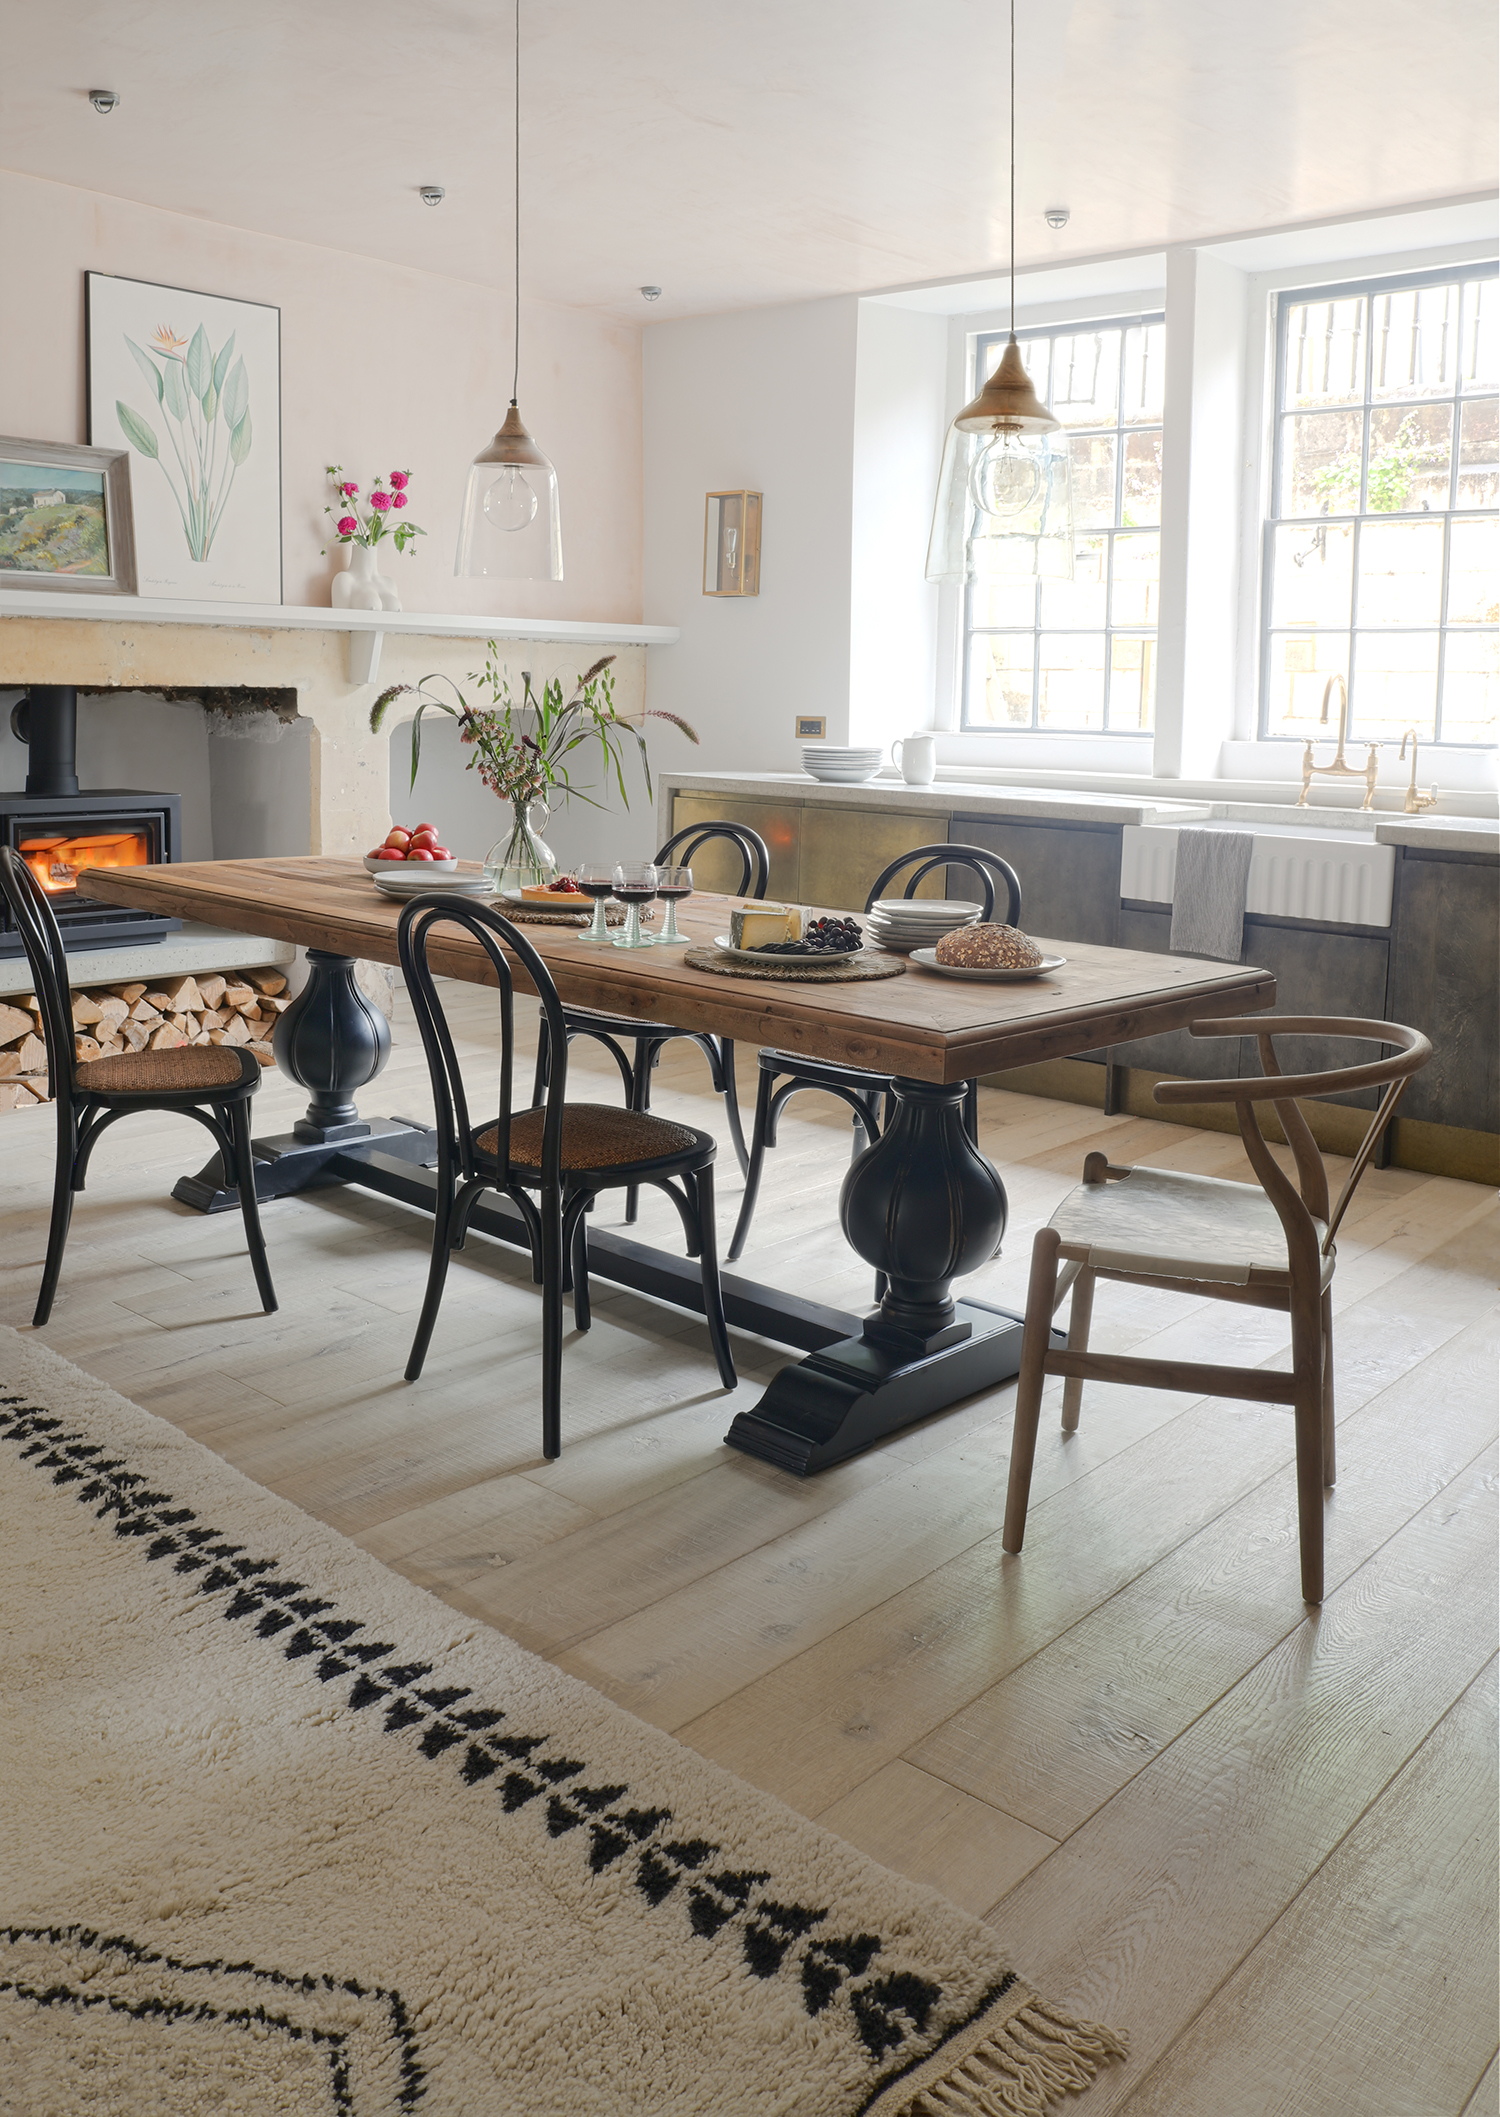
x=283 y=1833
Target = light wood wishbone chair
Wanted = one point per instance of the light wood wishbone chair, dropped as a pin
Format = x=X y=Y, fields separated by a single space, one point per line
x=1271 y=1246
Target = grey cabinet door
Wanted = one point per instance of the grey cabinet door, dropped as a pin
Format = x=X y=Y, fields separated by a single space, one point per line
x=1070 y=874
x=1318 y=970
x=1445 y=949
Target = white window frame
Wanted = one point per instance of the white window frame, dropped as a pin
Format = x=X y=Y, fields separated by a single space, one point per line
x=1369 y=289
x=983 y=342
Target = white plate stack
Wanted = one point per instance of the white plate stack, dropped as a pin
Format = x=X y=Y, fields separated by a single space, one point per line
x=840 y=765
x=905 y=923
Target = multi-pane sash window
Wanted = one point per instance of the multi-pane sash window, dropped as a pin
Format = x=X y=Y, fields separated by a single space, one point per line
x=1383 y=545
x=1079 y=656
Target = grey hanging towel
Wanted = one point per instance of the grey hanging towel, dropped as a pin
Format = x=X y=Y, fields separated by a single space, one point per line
x=1208 y=896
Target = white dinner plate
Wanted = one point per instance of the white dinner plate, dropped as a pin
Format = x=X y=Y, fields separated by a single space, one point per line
x=382 y=867
x=409 y=884
x=927 y=957
x=756 y=955
x=952 y=911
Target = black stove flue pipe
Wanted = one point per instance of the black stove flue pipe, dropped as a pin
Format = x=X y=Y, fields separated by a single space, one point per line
x=46 y=720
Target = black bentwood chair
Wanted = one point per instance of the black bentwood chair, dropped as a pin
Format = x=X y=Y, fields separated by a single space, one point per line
x=566 y=1152
x=867 y=1094
x=649 y=1037
x=213 y=1083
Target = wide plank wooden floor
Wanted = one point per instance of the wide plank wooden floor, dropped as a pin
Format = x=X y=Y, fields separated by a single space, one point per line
x=1260 y=1839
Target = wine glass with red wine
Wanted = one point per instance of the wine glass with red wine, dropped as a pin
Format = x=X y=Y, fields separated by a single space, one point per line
x=635 y=885
x=596 y=878
x=673 y=884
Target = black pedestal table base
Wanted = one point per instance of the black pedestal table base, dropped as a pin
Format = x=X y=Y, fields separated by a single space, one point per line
x=922 y=1205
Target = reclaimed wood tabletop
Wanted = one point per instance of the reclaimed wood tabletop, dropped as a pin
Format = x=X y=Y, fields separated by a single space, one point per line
x=920 y=1025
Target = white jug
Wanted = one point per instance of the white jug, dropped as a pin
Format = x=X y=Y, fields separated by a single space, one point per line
x=915 y=757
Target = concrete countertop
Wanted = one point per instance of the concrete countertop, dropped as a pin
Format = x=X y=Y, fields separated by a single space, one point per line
x=943 y=798
x=1458 y=834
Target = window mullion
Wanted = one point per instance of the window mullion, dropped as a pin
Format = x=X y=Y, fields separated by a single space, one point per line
x=1442 y=653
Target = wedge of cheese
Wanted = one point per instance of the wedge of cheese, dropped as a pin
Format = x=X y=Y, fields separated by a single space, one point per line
x=757 y=924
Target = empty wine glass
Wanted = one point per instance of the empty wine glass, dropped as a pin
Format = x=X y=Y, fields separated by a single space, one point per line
x=635 y=886
x=672 y=885
x=596 y=878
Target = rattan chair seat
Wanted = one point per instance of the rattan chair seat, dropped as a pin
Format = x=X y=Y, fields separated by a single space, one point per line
x=594 y=1136
x=188 y=1070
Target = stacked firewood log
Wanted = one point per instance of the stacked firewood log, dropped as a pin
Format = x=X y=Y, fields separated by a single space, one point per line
x=228 y=1007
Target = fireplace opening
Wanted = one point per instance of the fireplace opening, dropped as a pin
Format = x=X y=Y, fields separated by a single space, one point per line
x=61 y=832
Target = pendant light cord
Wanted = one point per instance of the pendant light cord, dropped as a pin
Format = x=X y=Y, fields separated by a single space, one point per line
x=516 y=370
x=1012 y=162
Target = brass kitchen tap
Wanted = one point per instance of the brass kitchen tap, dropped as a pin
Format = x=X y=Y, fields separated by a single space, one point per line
x=1415 y=802
x=1338 y=769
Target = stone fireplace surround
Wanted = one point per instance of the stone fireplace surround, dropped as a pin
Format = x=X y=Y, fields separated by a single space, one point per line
x=295 y=768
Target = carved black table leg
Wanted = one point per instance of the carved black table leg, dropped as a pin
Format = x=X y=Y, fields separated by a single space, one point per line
x=924 y=1206
x=332 y=1041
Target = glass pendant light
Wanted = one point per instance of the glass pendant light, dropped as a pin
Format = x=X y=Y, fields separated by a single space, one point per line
x=1005 y=497
x=510 y=525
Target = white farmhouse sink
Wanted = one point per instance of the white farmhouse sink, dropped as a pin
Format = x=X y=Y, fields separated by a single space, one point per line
x=1297 y=871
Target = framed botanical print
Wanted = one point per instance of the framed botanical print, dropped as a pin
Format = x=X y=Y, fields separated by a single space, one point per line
x=65 y=518
x=191 y=385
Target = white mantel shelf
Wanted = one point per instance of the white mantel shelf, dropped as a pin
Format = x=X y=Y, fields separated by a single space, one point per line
x=365 y=629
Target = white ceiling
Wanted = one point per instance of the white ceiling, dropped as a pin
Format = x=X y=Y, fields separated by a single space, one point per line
x=739 y=155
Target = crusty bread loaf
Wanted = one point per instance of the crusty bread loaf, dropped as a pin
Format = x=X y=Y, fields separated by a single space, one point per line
x=988 y=947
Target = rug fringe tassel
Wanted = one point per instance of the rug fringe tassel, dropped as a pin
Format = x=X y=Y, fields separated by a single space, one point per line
x=1022 y=2070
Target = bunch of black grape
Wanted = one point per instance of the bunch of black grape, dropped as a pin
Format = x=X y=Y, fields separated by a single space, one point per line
x=824 y=937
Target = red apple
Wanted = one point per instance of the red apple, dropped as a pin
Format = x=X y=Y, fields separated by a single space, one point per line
x=390 y=852
x=441 y=852
x=421 y=853
x=425 y=827
x=398 y=838
x=424 y=837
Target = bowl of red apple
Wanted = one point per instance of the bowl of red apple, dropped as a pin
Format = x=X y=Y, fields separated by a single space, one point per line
x=418 y=846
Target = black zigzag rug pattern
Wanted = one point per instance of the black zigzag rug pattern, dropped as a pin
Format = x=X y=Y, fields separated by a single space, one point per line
x=368 y=2050
x=900 y=2019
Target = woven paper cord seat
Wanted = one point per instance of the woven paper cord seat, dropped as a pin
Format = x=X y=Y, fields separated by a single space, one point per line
x=594 y=1136
x=193 y=1067
x=1168 y=1222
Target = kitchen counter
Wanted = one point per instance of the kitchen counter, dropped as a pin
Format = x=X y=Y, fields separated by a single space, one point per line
x=943 y=798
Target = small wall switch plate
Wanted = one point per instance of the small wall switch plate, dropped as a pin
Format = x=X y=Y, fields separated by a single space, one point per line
x=812 y=727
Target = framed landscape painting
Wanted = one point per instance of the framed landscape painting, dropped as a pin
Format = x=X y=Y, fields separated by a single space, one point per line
x=190 y=384
x=65 y=518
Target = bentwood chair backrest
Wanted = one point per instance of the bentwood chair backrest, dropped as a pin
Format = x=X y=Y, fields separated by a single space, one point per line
x=420 y=918
x=755 y=857
x=988 y=867
x=1297 y=1206
x=41 y=937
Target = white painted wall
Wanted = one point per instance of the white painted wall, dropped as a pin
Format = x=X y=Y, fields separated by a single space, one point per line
x=382 y=368
x=900 y=417
x=762 y=399
x=1202 y=447
x=260 y=785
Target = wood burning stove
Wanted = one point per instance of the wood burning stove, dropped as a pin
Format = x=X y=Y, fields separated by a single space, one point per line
x=59 y=831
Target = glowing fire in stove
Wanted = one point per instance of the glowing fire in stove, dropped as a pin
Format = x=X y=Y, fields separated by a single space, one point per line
x=58 y=861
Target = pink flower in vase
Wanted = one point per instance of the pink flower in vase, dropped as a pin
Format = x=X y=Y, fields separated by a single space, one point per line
x=348 y=491
x=398 y=499
x=348 y=526
x=380 y=501
x=400 y=479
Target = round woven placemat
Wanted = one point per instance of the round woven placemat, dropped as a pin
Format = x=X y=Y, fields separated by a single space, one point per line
x=857 y=970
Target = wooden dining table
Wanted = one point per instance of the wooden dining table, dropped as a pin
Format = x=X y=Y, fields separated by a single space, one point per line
x=923 y=1205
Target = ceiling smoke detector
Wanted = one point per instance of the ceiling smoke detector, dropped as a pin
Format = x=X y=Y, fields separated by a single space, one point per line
x=103 y=100
x=433 y=194
x=1056 y=216
x=651 y=293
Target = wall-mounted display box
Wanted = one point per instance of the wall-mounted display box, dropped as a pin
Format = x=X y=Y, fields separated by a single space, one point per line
x=731 y=544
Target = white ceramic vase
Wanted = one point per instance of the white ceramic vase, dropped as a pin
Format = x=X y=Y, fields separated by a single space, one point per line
x=362 y=586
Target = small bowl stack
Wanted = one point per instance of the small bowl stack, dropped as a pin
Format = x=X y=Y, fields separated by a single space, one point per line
x=839 y=765
x=904 y=923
